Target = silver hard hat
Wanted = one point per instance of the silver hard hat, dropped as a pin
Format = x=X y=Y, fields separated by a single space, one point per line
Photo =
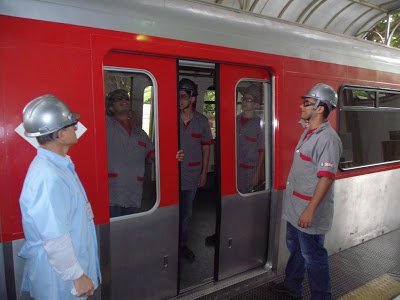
x=323 y=93
x=46 y=114
x=188 y=86
x=255 y=91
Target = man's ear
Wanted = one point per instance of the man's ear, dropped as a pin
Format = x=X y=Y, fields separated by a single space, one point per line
x=320 y=109
x=60 y=134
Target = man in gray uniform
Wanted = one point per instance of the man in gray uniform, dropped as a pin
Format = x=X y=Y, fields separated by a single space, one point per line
x=195 y=141
x=308 y=203
x=128 y=147
x=250 y=142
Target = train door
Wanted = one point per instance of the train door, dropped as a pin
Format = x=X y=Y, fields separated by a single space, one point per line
x=245 y=145
x=142 y=250
x=197 y=266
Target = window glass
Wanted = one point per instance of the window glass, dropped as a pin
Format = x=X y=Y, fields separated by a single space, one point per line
x=250 y=137
x=387 y=99
x=130 y=141
x=209 y=108
x=370 y=136
x=357 y=97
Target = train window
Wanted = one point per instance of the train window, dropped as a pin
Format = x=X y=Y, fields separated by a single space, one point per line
x=387 y=99
x=132 y=179
x=209 y=108
x=250 y=137
x=358 y=97
x=369 y=126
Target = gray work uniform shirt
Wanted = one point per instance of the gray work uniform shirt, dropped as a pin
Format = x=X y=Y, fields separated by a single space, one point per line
x=126 y=163
x=193 y=136
x=316 y=155
x=250 y=143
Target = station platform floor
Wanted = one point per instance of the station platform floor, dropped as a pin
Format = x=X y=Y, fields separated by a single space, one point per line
x=369 y=271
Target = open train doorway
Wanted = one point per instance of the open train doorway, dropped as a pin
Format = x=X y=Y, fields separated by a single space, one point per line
x=199 y=189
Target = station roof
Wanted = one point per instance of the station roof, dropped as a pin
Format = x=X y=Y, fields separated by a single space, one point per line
x=348 y=17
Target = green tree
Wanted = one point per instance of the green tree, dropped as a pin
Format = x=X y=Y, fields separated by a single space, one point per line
x=378 y=32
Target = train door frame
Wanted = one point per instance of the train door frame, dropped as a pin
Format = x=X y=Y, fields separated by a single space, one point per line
x=184 y=67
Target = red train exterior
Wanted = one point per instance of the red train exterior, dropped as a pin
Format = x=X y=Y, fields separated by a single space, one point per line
x=39 y=57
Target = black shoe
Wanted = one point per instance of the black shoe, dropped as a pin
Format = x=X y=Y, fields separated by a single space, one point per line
x=187 y=253
x=281 y=289
x=210 y=240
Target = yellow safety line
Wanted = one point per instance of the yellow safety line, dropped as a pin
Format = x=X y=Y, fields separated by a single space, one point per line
x=381 y=288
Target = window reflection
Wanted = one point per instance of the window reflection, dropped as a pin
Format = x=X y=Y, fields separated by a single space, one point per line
x=130 y=142
x=250 y=137
x=369 y=127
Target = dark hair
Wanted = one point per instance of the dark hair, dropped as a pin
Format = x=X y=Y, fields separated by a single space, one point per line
x=188 y=86
x=44 y=139
x=326 y=110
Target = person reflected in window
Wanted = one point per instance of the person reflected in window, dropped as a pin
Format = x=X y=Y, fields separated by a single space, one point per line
x=128 y=147
x=195 y=139
x=250 y=142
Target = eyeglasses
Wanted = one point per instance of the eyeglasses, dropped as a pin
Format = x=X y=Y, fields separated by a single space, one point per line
x=119 y=99
x=308 y=103
x=183 y=96
x=247 y=99
x=70 y=125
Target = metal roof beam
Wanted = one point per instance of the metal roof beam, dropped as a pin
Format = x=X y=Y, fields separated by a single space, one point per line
x=312 y=8
x=369 y=20
x=356 y=19
x=370 y=5
x=337 y=14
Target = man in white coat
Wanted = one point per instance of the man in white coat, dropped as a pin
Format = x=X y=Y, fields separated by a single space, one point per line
x=60 y=249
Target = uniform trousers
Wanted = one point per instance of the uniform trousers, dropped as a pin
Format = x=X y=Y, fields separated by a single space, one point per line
x=307 y=253
x=186 y=207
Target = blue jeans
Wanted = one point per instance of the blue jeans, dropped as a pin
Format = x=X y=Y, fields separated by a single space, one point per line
x=116 y=211
x=307 y=252
x=186 y=207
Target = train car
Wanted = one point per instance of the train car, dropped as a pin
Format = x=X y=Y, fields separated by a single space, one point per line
x=81 y=51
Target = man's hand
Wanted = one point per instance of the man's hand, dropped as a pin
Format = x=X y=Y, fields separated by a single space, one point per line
x=255 y=180
x=84 y=286
x=306 y=218
x=203 y=179
x=180 y=155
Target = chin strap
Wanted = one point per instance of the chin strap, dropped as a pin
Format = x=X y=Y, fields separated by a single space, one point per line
x=313 y=110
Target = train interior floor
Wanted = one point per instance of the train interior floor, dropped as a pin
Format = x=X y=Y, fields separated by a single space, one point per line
x=369 y=271
x=201 y=270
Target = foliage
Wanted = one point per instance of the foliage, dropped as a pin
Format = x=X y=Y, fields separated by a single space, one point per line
x=378 y=32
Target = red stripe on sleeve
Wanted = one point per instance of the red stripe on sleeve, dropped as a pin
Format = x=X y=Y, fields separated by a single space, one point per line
x=210 y=142
x=142 y=144
x=326 y=174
